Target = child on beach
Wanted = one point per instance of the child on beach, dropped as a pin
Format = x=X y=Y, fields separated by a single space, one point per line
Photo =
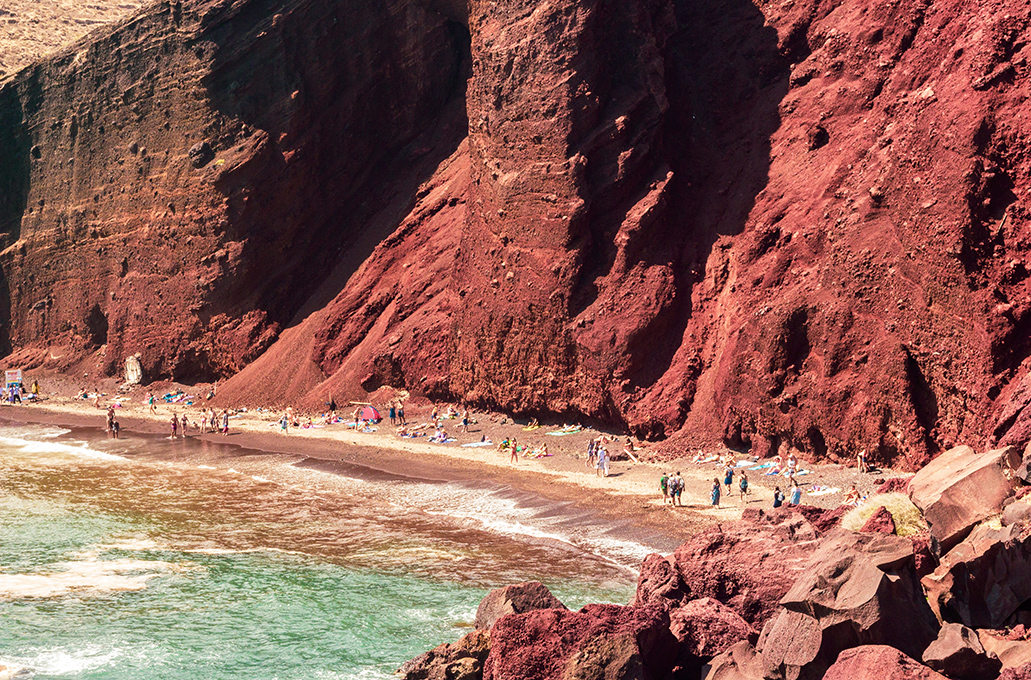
x=715 y=495
x=778 y=497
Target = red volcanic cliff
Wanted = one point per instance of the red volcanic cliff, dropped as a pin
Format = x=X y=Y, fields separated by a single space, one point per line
x=778 y=224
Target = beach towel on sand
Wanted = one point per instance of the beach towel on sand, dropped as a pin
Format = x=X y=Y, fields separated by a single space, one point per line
x=473 y=445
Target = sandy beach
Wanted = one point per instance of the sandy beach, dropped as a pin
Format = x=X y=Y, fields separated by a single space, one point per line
x=629 y=496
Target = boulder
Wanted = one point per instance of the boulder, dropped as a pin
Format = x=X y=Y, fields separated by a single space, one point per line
x=462 y=660
x=1014 y=512
x=880 y=522
x=857 y=589
x=514 y=599
x=985 y=579
x=1012 y=653
x=738 y=662
x=706 y=628
x=747 y=565
x=959 y=654
x=659 y=581
x=608 y=642
x=961 y=487
x=878 y=662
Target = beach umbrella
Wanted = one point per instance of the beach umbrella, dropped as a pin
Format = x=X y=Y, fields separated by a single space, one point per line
x=369 y=413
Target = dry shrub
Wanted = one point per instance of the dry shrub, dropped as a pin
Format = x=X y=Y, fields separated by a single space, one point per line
x=908 y=518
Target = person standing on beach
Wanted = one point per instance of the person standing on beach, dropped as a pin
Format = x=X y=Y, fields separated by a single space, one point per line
x=513 y=450
x=392 y=413
x=603 y=462
x=225 y=423
x=592 y=452
x=714 y=497
x=676 y=488
x=175 y=425
x=664 y=487
x=115 y=428
x=401 y=413
x=186 y=424
x=796 y=495
x=150 y=401
x=203 y=420
x=728 y=477
x=284 y=423
x=743 y=485
x=465 y=420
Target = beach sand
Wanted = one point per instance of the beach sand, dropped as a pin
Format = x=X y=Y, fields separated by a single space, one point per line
x=628 y=497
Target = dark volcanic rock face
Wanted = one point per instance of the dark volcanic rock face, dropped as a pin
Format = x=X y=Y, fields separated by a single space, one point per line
x=781 y=225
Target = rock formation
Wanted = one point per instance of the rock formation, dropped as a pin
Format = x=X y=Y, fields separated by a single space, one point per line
x=780 y=225
x=845 y=605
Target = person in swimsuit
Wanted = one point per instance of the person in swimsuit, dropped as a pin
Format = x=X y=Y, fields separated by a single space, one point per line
x=175 y=425
x=225 y=423
x=728 y=477
x=743 y=485
x=513 y=451
x=186 y=425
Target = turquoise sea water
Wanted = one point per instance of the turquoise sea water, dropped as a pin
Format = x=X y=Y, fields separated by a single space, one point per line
x=143 y=558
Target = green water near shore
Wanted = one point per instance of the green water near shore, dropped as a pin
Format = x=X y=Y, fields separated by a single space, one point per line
x=132 y=559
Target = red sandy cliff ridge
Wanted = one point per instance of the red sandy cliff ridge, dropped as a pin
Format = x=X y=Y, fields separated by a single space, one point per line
x=795 y=224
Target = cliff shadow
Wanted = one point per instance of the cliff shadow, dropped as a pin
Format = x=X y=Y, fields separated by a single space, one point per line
x=360 y=103
x=725 y=77
x=16 y=153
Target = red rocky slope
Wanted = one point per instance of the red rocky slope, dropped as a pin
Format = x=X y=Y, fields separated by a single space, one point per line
x=795 y=224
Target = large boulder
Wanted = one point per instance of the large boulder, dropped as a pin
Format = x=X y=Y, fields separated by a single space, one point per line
x=985 y=579
x=878 y=662
x=514 y=599
x=747 y=565
x=607 y=642
x=961 y=487
x=959 y=654
x=706 y=628
x=857 y=589
x=1012 y=651
x=739 y=662
x=462 y=660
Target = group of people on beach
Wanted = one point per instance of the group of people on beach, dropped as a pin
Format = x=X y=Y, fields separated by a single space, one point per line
x=672 y=486
x=210 y=420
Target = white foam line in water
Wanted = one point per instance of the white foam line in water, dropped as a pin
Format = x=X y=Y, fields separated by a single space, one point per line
x=91 y=577
x=58 y=661
x=49 y=447
x=504 y=516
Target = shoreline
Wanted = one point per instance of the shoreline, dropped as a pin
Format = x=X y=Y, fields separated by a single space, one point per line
x=628 y=499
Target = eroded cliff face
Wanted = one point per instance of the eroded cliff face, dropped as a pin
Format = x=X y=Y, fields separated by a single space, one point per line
x=796 y=224
x=180 y=185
